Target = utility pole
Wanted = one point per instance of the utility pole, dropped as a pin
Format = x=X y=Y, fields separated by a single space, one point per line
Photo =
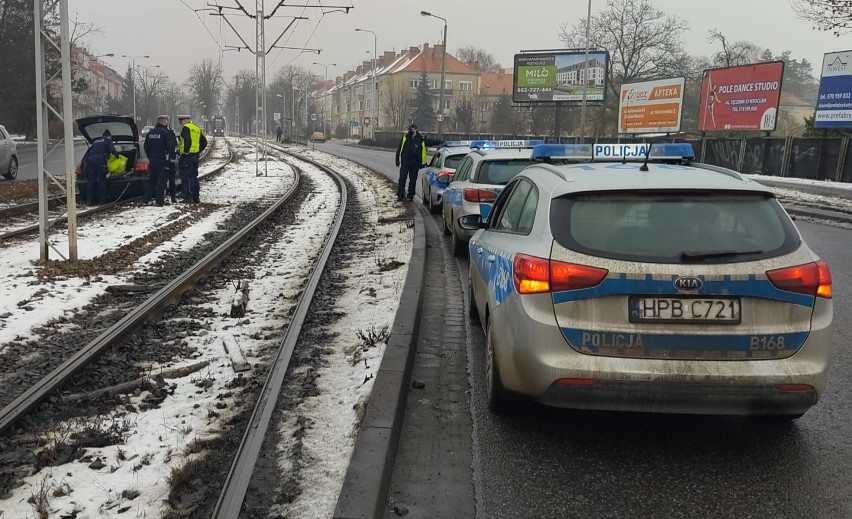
x=43 y=108
x=260 y=52
x=443 y=70
x=585 y=74
x=375 y=82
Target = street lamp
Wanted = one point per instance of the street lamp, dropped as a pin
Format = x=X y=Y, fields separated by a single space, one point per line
x=133 y=66
x=585 y=75
x=375 y=80
x=443 y=68
x=281 y=115
x=325 y=80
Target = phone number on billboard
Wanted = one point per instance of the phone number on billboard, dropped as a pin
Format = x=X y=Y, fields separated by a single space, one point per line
x=533 y=90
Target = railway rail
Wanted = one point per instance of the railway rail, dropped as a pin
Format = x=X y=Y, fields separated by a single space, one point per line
x=56 y=202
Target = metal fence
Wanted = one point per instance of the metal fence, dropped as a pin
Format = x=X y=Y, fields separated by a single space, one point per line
x=795 y=157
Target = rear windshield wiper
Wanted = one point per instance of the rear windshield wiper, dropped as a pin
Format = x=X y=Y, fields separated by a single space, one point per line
x=700 y=254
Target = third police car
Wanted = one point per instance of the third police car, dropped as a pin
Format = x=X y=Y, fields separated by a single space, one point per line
x=479 y=178
x=437 y=174
x=636 y=280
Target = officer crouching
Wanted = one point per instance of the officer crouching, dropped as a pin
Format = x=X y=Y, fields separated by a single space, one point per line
x=160 y=147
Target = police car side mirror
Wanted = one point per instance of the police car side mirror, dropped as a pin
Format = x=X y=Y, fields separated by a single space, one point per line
x=471 y=222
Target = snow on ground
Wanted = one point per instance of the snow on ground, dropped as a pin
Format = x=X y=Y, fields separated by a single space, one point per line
x=369 y=302
x=162 y=440
x=26 y=303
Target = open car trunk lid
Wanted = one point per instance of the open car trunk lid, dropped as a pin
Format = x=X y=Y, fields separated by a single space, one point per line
x=122 y=128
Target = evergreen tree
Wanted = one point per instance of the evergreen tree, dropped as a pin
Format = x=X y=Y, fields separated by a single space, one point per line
x=424 y=114
x=505 y=118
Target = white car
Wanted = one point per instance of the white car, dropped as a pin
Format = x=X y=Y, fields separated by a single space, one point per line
x=8 y=155
x=479 y=178
x=642 y=281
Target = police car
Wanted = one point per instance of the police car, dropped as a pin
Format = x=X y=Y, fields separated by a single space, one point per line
x=435 y=177
x=635 y=280
x=479 y=178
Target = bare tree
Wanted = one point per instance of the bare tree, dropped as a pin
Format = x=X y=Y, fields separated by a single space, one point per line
x=149 y=83
x=826 y=15
x=643 y=41
x=733 y=53
x=205 y=80
x=465 y=114
x=483 y=59
x=396 y=104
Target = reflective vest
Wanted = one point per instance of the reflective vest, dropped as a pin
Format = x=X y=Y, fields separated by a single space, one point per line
x=194 y=139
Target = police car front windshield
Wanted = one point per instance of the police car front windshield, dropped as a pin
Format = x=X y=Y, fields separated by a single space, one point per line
x=500 y=172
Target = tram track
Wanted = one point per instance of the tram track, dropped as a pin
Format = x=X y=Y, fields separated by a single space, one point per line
x=19 y=210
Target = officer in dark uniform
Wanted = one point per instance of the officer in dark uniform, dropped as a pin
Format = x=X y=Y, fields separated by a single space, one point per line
x=410 y=157
x=192 y=142
x=96 y=168
x=160 y=147
x=171 y=169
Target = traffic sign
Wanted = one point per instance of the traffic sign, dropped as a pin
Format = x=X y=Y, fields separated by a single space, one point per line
x=440 y=117
x=276 y=117
x=314 y=117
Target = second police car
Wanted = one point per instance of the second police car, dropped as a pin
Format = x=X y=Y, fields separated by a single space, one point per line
x=479 y=178
x=436 y=176
x=658 y=285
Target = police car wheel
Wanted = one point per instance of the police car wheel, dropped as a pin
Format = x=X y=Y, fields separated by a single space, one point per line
x=459 y=245
x=426 y=198
x=471 y=302
x=495 y=394
x=446 y=229
x=433 y=207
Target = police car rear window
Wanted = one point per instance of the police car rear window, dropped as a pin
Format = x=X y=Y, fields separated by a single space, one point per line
x=674 y=227
x=500 y=171
x=452 y=161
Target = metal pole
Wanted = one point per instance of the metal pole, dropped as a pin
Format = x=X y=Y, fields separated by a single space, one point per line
x=41 y=131
x=68 y=130
x=586 y=74
x=134 y=90
x=443 y=68
x=260 y=79
x=375 y=85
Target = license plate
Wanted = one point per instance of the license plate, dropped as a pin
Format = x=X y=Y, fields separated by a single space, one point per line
x=685 y=310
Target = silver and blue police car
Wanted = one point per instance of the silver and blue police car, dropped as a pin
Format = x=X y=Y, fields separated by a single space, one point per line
x=436 y=176
x=479 y=178
x=633 y=279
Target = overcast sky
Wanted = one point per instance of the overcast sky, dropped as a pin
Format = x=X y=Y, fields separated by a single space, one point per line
x=175 y=37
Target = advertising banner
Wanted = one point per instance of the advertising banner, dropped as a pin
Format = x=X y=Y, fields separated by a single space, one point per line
x=743 y=98
x=834 y=103
x=547 y=77
x=651 y=106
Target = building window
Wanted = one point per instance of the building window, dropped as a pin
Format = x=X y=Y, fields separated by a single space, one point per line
x=448 y=84
x=414 y=83
x=465 y=86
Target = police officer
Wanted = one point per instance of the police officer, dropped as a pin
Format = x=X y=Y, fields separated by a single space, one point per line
x=410 y=157
x=160 y=148
x=192 y=142
x=96 y=168
x=171 y=167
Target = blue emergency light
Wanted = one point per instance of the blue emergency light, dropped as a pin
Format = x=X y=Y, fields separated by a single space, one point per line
x=612 y=152
x=508 y=144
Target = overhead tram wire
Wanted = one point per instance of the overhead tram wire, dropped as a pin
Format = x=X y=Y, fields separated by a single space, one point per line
x=330 y=10
x=195 y=11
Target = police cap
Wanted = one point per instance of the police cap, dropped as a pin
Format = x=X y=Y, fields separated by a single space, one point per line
x=183 y=117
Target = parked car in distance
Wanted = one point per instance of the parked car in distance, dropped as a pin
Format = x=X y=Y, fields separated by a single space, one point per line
x=125 y=137
x=144 y=132
x=8 y=155
x=318 y=137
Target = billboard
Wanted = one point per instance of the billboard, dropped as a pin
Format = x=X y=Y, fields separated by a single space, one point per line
x=651 y=106
x=547 y=77
x=743 y=98
x=834 y=103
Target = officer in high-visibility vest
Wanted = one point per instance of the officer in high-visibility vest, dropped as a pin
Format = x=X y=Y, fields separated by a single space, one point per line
x=410 y=158
x=192 y=142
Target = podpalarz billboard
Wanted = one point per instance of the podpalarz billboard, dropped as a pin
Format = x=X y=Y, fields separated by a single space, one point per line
x=742 y=98
x=562 y=76
x=834 y=104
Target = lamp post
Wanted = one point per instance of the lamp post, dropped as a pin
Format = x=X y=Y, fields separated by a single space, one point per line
x=281 y=115
x=585 y=74
x=375 y=81
x=133 y=66
x=293 y=109
x=443 y=69
x=325 y=80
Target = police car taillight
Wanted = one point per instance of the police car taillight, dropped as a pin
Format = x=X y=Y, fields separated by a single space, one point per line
x=141 y=166
x=537 y=275
x=479 y=195
x=813 y=279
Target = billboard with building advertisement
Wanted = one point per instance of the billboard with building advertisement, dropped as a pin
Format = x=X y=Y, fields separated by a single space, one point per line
x=743 y=98
x=651 y=106
x=547 y=77
x=834 y=103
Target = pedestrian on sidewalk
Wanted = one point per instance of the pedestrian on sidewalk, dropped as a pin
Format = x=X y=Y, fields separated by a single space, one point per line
x=410 y=157
x=278 y=133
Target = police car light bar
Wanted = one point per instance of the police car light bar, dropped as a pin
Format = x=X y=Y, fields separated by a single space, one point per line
x=455 y=144
x=480 y=145
x=613 y=152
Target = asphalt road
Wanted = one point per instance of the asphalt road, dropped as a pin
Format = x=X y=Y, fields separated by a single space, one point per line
x=544 y=462
x=28 y=161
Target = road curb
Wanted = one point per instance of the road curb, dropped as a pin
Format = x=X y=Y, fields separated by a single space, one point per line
x=365 y=486
x=820 y=214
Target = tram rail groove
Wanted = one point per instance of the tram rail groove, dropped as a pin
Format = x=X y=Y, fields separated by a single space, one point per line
x=124 y=328
x=19 y=209
x=239 y=476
